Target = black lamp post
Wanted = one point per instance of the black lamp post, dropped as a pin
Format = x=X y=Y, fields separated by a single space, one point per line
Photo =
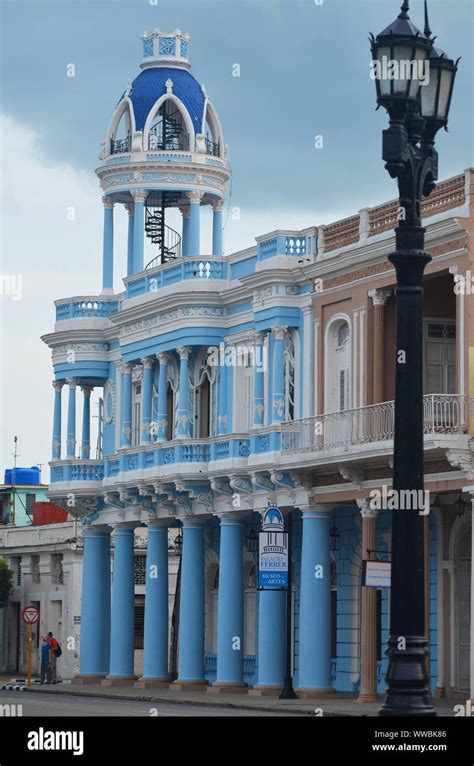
x=418 y=107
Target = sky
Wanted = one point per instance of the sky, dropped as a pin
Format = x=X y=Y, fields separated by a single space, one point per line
x=304 y=72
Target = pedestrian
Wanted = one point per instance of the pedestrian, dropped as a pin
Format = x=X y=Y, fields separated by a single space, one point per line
x=54 y=653
x=45 y=663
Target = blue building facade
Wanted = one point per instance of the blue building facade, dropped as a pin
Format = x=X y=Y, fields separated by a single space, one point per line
x=208 y=368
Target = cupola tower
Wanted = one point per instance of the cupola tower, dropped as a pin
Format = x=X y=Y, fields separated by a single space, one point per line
x=164 y=148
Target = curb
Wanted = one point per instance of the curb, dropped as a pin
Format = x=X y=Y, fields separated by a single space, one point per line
x=184 y=701
x=13 y=688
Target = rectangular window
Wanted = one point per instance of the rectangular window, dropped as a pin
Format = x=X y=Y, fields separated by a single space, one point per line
x=30 y=501
x=140 y=569
x=139 y=621
x=35 y=570
x=57 y=575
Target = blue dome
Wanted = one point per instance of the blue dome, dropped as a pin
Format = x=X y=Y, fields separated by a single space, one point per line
x=149 y=86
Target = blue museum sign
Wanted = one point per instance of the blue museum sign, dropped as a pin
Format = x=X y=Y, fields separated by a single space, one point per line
x=273 y=551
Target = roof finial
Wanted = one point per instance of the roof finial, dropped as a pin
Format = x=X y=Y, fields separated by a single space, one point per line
x=427 y=22
x=404 y=10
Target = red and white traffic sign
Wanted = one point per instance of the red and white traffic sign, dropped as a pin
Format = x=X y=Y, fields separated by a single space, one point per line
x=30 y=614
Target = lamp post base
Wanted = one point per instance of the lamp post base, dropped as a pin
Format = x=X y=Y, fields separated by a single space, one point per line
x=408 y=685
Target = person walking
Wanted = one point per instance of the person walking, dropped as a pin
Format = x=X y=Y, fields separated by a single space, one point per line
x=53 y=657
x=45 y=663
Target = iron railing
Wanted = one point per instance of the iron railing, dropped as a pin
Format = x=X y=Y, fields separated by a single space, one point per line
x=443 y=414
x=212 y=147
x=121 y=145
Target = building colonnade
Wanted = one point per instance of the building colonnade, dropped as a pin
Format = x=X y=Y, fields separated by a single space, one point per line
x=107 y=618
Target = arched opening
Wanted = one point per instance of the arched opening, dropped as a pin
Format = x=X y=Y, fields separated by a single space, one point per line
x=169 y=411
x=462 y=608
x=168 y=131
x=212 y=132
x=121 y=134
x=338 y=366
x=204 y=399
x=290 y=389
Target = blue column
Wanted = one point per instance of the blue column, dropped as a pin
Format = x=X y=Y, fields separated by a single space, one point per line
x=162 y=424
x=185 y=232
x=222 y=397
x=126 y=407
x=95 y=609
x=191 y=612
x=86 y=423
x=122 y=638
x=71 y=419
x=217 y=228
x=230 y=609
x=155 y=657
x=194 y=226
x=259 y=382
x=315 y=603
x=278 y=398
x=183 y=429
x=131 y=218
x=108 y=246
x=56 y=453
x=271 y=639
x=138 y=230
x=147 y=397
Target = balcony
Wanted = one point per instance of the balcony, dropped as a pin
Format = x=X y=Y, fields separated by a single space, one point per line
x=338 y=432
x=84 y=307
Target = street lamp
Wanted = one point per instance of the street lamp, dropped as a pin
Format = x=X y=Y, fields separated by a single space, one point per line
x=414 y=82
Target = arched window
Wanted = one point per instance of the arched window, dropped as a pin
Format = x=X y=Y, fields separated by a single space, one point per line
x=168 y=131
x=289 y=362
x=171 y=400
x=212 y=133
x=121 y=138
x=204 y=398
x=338 y=367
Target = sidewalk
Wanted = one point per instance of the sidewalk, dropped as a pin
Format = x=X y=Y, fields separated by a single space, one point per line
x=342 y=704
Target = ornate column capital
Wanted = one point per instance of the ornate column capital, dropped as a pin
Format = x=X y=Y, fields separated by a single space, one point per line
x=139 y=195
x=322 y=510
x=148 y=361
x=279 y=332
x=217 y=205
x=87 y=390
x=379 y=297
x=129 y=208
x=194 y=197
x=259 y=337
x=365 y=509
x=72 y=382
x=124 y=367
x=57 y=384
x=108 y=202
x=183 y=352
x=185 y=211
x=163 y=357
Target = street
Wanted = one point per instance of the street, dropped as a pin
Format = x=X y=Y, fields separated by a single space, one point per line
x=34 y=704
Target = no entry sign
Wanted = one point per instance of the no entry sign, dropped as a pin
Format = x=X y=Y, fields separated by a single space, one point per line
x=30 y=614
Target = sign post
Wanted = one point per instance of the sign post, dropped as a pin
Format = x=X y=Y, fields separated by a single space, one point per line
x=30 y=616
x=274 y=573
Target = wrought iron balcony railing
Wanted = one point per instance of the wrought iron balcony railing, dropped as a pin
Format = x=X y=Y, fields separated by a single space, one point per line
x=212 y=147
x=121 y=145
x=443 y=414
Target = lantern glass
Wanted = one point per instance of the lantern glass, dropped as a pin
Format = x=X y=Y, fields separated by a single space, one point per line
x=428 y=93
x=383 y=58
x=403 y=67
x=447 y=76
x=420 y=67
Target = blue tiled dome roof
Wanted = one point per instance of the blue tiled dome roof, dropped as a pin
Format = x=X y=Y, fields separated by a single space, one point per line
x=150 y=85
